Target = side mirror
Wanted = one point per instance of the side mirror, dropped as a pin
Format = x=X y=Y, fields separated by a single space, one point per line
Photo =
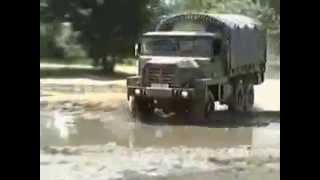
x=137 y=49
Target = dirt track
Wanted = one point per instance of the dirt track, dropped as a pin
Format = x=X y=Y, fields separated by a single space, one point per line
x=86 y=133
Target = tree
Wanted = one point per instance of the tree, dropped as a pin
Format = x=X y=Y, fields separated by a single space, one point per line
x=107 y=29
x=159 y=9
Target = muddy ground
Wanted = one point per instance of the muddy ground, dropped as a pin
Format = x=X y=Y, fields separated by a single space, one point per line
x=87 y=133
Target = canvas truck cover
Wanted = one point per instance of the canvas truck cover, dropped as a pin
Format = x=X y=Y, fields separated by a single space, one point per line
x=247 y=46
x=246 y=36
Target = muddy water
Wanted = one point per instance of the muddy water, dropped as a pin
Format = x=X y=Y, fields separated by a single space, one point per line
x=78 y=125
x=253 y=174
x=259 y=129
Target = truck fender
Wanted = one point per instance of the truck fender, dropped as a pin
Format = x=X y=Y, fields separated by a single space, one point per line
x=201 y=88
x=133 y=81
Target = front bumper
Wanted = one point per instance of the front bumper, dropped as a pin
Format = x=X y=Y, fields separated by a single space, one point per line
x=161 y=93
x=134 y=82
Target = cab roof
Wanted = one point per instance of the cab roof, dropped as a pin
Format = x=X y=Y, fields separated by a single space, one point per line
x=231 y=21
x=179 y=33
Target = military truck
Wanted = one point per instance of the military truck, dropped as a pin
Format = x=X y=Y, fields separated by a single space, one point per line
x=193 y=61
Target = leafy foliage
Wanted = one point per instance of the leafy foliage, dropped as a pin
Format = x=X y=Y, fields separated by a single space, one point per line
x=48 y=44
x=251 y=8
x=107 y=27
x=110 y=27
x=104 y=27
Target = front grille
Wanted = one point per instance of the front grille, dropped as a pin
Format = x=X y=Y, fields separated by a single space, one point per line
x=158 y=73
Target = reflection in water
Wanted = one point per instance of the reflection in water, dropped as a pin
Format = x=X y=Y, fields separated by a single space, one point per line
x=192 y=136
x=58 y=129
x=63 y=122
x=266 y=137
x=253 y=174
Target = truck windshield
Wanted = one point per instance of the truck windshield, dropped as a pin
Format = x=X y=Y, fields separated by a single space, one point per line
x=177 y=46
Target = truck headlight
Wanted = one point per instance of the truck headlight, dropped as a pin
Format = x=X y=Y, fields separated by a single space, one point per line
x=137 y=92
x=184 y=94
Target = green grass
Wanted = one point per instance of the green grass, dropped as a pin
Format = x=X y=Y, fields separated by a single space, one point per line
x=84 y=61
x=81 y=73
x=73 y=70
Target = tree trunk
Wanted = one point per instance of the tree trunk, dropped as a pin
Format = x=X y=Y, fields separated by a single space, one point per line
x=108 y=64
x=95 y=62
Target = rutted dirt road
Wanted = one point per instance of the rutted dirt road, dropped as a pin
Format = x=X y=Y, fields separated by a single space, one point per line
x=86 y=133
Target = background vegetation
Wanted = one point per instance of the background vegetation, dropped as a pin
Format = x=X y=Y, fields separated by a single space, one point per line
x=104 y=31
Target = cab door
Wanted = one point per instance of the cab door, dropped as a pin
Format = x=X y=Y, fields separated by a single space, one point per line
x=217 y=60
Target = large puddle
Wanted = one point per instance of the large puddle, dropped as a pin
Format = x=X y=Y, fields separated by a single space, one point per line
x=260 y=129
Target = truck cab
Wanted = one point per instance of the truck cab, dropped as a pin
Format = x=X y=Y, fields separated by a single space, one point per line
x=169 y=64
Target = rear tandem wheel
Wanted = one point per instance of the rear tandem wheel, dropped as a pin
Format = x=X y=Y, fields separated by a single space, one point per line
x=243 y=97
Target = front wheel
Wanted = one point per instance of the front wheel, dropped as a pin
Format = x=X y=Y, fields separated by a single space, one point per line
x=200 y=109
x=139 y=107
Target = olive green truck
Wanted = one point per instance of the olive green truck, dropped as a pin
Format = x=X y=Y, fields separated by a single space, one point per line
x=192 y=61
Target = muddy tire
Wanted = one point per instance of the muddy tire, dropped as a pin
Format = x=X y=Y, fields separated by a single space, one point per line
x=249 y=97
x=238 y=99
x=139 y=108
x=200 y=110
x=132 y=105
x=209 y=106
